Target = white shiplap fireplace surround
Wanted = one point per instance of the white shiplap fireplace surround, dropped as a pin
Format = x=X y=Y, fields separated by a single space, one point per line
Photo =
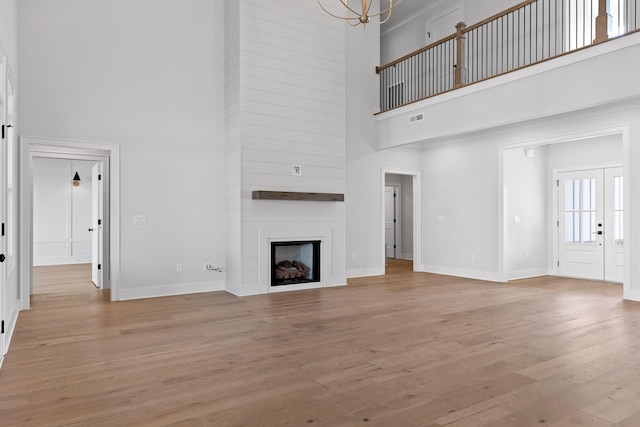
x=285 y=102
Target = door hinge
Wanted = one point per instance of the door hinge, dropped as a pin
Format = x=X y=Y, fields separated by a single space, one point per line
x=100 y=177
x=99 y=266
x=2 y=328
x=394 y=246
x=557 y=183
x=3 y=131
x=394 y=220
x=558 y=263
x=99 y=222
x=3 y=228
x=558 y=223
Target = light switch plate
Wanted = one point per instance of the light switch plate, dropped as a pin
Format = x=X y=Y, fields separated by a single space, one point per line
x=140 y=219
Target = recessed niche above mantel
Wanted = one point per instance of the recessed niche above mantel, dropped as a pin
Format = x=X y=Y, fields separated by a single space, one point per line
x=294 y=195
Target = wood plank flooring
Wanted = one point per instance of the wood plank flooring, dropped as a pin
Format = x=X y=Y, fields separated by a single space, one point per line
x=406 y=349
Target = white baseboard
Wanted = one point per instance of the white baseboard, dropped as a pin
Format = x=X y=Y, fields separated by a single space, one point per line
x=488 y=276
x=365 y=272
x=527 y=274
x=336 y=281
x=170 y=290
x=10 y=325
x=253 y=289
x=633 y=295
x=37 y=262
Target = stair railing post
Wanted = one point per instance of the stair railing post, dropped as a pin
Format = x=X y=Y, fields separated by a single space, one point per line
x=460 y=78
x=604 y=21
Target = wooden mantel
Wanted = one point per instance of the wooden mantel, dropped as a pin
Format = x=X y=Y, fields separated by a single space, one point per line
x=294 y=195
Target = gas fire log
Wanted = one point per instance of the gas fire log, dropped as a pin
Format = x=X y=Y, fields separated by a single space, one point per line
x=290 y=270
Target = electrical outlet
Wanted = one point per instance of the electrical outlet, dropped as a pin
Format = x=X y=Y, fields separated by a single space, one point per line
x=179 y=268
x=208 y=266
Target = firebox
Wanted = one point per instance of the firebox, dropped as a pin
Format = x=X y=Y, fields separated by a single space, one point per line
x=295 y=262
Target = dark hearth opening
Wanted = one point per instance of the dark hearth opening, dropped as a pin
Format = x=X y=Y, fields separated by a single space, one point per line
x=295 y=262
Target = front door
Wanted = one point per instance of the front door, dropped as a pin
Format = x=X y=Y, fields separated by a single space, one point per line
x=590 y=224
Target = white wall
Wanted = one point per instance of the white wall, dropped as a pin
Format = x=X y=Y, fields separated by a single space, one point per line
x=61 y=212
x=145 y=75
x=526 y=185
x=364 y=179
x=460 y=209
x=9 y=33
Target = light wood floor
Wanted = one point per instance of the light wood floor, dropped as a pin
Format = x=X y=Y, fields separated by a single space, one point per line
x=407 y=349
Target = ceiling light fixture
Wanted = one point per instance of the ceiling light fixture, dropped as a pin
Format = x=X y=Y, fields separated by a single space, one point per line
x=355 y=18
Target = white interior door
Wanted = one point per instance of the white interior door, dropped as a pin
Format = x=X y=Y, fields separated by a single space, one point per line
x=4 y=344
x=581 y=224
x=96 y=229
x=614 y=234
x=390 y=221
x=442 y=26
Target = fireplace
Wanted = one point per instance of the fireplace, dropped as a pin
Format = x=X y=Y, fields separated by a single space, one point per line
x=295 y=262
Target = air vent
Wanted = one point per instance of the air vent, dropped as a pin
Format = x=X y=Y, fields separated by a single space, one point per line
x=416 y=118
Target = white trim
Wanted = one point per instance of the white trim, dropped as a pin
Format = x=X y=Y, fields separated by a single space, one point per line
x=417 y=218
x=10 y=327
x=487 y=276
x=171 y=290
x=61 y=260
x=47 y=147
x=527 y=274
x=365 y=272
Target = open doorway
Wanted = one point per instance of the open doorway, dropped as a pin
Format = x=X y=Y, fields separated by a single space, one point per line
x=34 y=150
x=67 y=217
x=555 y=221
x=401 y=195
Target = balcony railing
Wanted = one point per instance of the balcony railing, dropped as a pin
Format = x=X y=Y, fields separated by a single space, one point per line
x=528 y=33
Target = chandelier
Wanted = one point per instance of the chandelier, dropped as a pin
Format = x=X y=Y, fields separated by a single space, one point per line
x=354 y=17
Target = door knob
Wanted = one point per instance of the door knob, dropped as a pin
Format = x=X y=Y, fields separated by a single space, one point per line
x=91 y=229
